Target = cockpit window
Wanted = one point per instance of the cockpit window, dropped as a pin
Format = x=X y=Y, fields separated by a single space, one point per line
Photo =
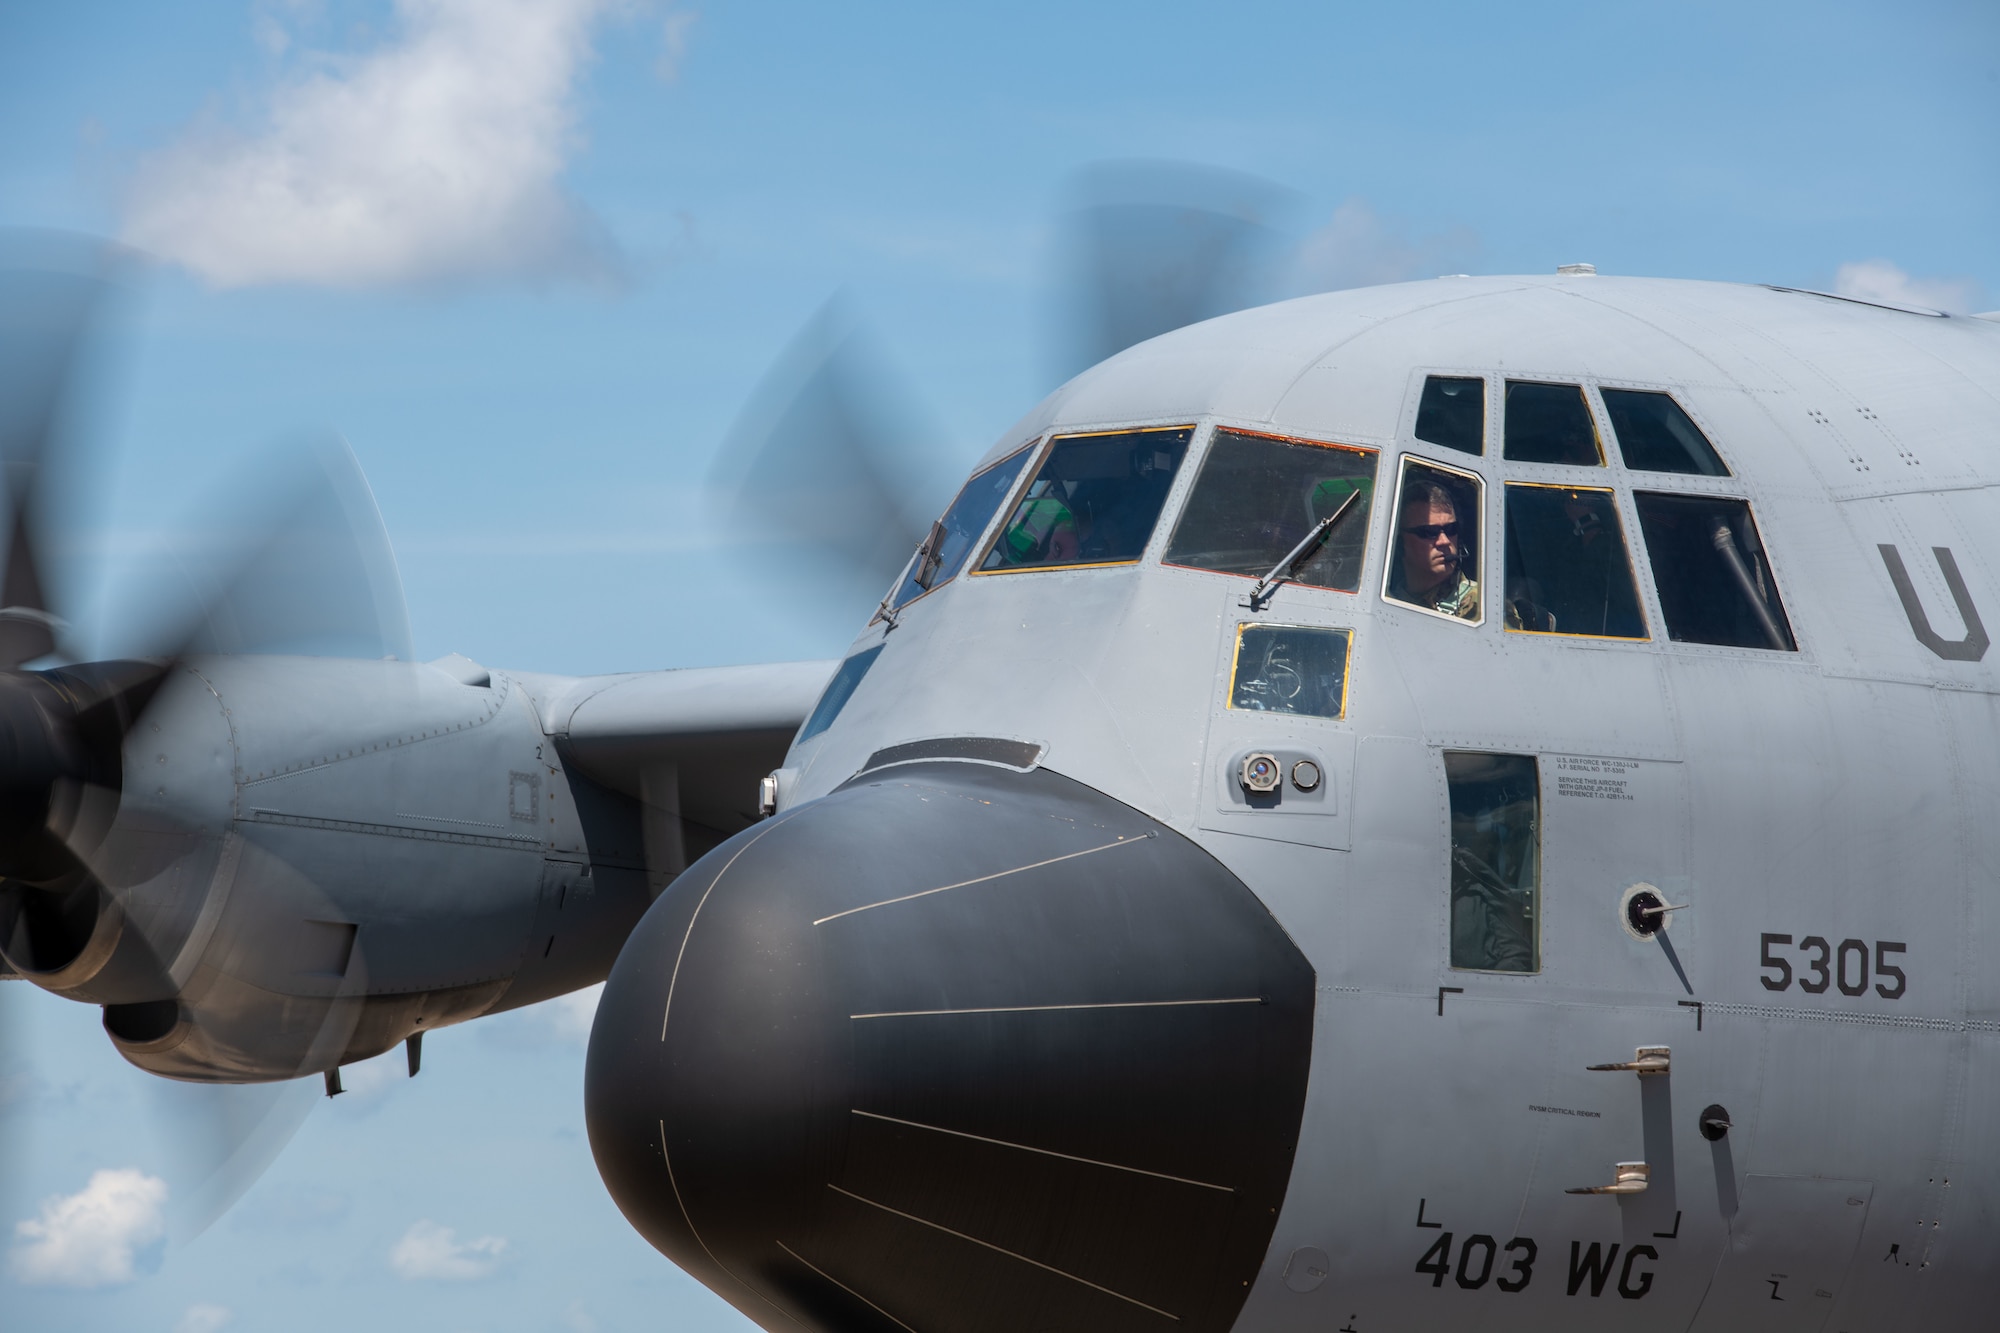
x=1656 y=435
x=1434 y=542
x=1094 y=502
x=1715 y=584
x=938 y=560
x=1495 y=861
x=1259 y=496
x=1290 y=669
x=1567 y=570
x=838 y=691
x=1452 y=413
x=1550 y=423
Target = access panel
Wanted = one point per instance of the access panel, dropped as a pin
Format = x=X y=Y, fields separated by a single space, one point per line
x=1791 y=1244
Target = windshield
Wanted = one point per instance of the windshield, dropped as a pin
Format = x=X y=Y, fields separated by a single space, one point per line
x=1258 y=496
x=944 y=551
x=1094 y=502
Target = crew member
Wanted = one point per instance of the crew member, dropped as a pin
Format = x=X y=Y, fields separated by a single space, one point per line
x=1430 y=554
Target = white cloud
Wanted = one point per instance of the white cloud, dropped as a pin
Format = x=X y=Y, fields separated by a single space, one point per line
x=674 y=35
x=437 y=155
x=572 y=1014
x=1358 y=247
x=91 y=1238
x=1880 y=280
x=428 y=1250
x=271 y=36
x=204 y=1318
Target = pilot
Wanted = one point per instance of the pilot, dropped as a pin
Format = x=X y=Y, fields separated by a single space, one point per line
x=1044 y=532
x=1428 y=569
x=1338 y=563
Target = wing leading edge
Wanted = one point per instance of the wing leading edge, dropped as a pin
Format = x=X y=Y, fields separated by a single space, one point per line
x=688 y=745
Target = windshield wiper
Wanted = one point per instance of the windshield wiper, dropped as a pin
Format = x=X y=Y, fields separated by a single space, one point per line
x=1285 y=570
x=923 y=569
x=1725 y=546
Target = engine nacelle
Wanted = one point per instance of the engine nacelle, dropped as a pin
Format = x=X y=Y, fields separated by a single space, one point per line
x=309 y=860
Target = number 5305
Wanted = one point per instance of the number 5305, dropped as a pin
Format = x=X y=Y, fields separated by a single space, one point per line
x=1823 y=965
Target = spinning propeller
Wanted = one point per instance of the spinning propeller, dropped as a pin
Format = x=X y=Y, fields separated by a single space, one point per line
x=835 y=458
x=110 y=890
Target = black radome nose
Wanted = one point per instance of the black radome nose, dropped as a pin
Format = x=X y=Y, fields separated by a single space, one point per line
x=956 y=1048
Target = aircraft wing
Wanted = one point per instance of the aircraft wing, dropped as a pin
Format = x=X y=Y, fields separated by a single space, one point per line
x=690 y=745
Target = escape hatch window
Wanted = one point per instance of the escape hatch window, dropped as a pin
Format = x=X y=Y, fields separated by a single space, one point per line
x=1550 y=423
x=838 y=691
x=1094 y=502
x=1567 y=570
x=1452 y=413
x=1433 y=559
x=1656 y=435
x=1259 y=496
x=1495 y=861
x=944 y=550
x=1708 y=564
x=1296 y=669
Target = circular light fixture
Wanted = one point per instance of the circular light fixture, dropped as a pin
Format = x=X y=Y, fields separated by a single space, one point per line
x=1260 y=773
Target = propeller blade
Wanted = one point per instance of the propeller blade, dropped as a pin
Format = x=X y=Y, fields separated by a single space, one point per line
x=220 y=1138
x=833 y=466
x=17 y=1083
x=296 y=561
x=53 y=290
x=216 y=1140
x=834 y=470
x=1146 y=247
x=293 y=558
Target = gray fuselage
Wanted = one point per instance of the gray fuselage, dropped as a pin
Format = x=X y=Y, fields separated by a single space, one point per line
x=1844 y=792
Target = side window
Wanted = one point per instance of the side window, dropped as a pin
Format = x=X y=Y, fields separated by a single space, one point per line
x=1257 y=498
x=1715 y=584
x=838 y=691
x=1094 y=502
x=1496 y=881
x=1290 y=669
x=1452 y=413
x=1655 y=435
x=951 y=538
x=1567 y=570
x=1433 y=559
x=1550 y=423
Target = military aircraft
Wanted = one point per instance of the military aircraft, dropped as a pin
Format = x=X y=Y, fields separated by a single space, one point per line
x=1453 y=805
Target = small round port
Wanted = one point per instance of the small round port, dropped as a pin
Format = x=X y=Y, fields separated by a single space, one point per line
x=1643 y=912
x=1305 y=775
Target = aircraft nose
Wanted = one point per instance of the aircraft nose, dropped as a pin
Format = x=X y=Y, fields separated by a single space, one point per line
x=956 y=1047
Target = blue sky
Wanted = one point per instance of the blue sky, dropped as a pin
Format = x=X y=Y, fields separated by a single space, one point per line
x=536 y=353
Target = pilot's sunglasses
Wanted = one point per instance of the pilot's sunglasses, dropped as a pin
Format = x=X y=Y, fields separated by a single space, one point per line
x=1430 y=532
